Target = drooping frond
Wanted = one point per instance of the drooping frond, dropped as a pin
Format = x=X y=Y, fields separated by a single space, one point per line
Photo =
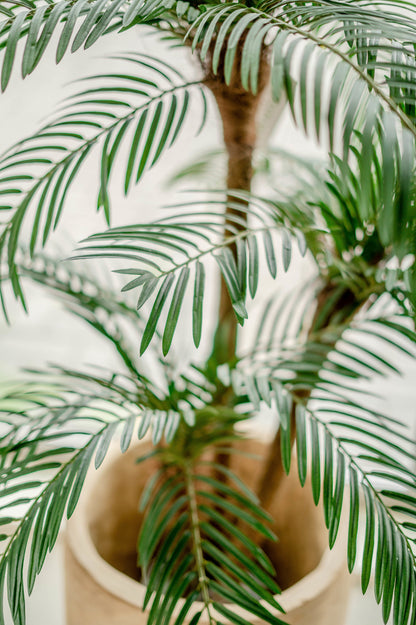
x=192 y=548
x=355 y=37
x=50 y=435
x=379 y=38
x=357 y=112
x=143 y=110
x=85 y=21
x=167 y=251
x=343 y=441
x=92 y=300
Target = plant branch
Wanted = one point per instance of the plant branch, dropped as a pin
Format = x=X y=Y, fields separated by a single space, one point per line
x=237 y=108
x=273 y=473
x=197 y=541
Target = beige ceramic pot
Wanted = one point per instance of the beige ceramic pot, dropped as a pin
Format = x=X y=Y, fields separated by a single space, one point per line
x=101 y=538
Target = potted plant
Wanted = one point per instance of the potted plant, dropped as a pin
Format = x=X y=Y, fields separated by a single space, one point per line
x=346 y=70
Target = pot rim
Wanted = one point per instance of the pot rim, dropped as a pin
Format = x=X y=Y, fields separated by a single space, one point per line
x=125 y=588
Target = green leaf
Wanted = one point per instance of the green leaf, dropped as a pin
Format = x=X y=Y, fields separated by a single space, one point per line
x=338 y=498
x=328 y=479
x=337 y=84
x=317 y=92
x=104 y=444
x=127 y=434
x=228 y=268
x=90 y=19
x=147 y=290
x=12 y=39
x=144 y=424
x=198 y=300
x=232 y=43
x=253 y=265
x=103 y=22
x=316 y=462
x=277 y=67
x=389 y=155
x=29 y=55
x=286 y=250
x=149 y=140
x=353 y=523
x=160 y=300
x=166 y=129
x=301 y=444
x=68 y=28
x=175 y=308
x=368 y=540
x=303 y=87
x=133 y=149
x=270 y=254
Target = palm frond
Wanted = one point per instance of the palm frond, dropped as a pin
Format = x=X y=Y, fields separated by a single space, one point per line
x=353 y=36
x=93 y=301
x=71 y=416
x=191 y=238
x=356 y=99
x=352 y=230
x=145 y=110
x=345 y=442
x=36 y=21
x=210 y=558
x=42 y=473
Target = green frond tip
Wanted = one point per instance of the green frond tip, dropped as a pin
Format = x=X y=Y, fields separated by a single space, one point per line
x=170 y=255
x=353 y=453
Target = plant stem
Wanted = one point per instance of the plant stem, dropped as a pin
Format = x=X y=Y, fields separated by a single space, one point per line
x=346 y=305
x=237 y=108
x=197 y=541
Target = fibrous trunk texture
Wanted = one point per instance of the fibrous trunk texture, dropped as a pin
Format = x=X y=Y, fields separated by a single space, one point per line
x=238 y=108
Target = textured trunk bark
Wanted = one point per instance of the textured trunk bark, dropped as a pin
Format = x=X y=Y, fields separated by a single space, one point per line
x=237 y=108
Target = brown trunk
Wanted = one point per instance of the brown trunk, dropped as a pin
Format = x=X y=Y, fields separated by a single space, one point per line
x=237 y=108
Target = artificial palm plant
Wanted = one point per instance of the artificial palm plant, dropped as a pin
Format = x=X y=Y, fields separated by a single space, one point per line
x=347 y=71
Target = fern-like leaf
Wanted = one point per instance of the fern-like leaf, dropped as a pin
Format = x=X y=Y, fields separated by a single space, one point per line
x=165 y=251
x=190 y=549
x=37 y=21
x=36 y=175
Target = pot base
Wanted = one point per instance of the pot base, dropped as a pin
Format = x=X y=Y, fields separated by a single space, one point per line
x=101 y=574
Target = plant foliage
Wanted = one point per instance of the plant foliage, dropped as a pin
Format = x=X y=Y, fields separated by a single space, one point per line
x=191 y=547
x=348 y=72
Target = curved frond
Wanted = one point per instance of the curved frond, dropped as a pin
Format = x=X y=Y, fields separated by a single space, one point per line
x=42 y=473
x=166 y=252
x=93 y=301
x=143 y=110
x=84 y=22
x=191 y=549
x=53 y=427
x=85 y=297
x=374 y=111
x=357 y=38
x=347 y=444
